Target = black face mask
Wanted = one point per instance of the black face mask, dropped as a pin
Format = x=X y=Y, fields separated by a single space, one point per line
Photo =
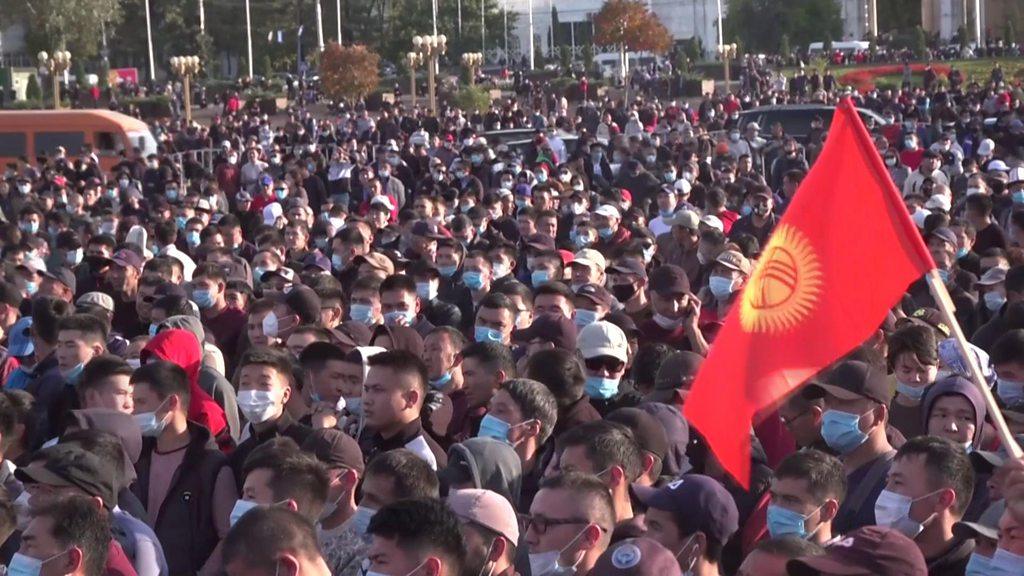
x=623 y=292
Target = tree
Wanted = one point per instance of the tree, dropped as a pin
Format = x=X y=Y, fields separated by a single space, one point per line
x=32 y=89
x=588 y=58
x=348 y=72
x=803 y=21
x=554 y=29
x=628 y=25
x=784 y=47
x=920 y=43
x=70 y=24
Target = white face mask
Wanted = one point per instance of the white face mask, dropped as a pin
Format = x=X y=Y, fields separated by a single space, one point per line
x=240 y=508
x=666 y=322
x=547 y=564
x=258 y=406
x=893 y=510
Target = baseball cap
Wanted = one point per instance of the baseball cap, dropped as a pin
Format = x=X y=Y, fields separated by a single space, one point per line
x=734 y=260
x=243 y=196
x=126 y=258
x=686 y=218
x=637 y=557
x=304 y=302
x=998 y=165
x=992 y=276
x=553 y=328
x=678 y=370
x=62 y=275
x=19 y=341
x=335 y=449
x=944 y=234
x=629 y=266
x=316 y=260
x=669 y=279
x=590 y=257
x=382 y=201
x=284 y=272
x=271 y=212
x=96 y=299
x=987 y=525
x=699 y=504
x=929 y=317
x=540 y=242
x=713 y=222
x=1016 y=175
x=602 y=339
x=596 y=294
x=486 y=508
x=608 y=211
x=427 y=230
x=852 y=380
x=266 y=180
x=70 y=466
x=871 y=550
x=377 y=261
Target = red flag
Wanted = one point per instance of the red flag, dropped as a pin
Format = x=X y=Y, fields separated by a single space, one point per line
x=842 y=255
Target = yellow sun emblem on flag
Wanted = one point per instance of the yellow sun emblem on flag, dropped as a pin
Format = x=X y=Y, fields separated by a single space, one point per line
x=785 y=285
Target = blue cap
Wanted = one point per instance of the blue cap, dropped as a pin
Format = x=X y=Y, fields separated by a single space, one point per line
x=699 y=504
x=266 y=180
x=19 y=342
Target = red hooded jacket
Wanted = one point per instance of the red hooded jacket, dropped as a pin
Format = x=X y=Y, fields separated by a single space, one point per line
x=182 y=348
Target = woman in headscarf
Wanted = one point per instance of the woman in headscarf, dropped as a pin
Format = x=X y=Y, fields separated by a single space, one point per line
x=181 y=347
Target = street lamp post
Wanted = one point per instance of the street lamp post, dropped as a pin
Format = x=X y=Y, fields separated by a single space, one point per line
x=56 y=65
x=472 y=61
x=430 y=48
x=727 y=52
x=186 y=67
x=412 y=60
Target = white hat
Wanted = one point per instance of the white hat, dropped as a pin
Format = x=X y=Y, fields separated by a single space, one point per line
x=940 y=201
x=590 y=257
x=271 y=212
x=713 y=222
x=602 y=338
x=608 y=211
x=383 y=200
x=1016 y=175
x=683 y=187
x=998 y=166
x=986 y=147
x=919 y=216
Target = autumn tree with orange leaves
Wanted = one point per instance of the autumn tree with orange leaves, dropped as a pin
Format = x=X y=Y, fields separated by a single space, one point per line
x=348 y=72
x=631 y=27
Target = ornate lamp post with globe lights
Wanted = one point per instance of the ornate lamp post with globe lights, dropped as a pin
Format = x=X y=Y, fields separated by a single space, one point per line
x=727 y=52
x=56 y=65
x=430 y=49
x=186 y=67
x=472 y=61
x=412 y=60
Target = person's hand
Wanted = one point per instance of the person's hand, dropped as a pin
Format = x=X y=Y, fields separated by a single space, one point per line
x=692 y=317
x=324 y=416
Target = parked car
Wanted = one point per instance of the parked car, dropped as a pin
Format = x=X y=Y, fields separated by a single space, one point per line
x=796 y=119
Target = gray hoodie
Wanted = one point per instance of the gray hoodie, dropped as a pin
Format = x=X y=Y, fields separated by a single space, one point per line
x=488 y=464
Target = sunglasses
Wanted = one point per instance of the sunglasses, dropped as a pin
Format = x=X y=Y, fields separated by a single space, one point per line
x=609 y=364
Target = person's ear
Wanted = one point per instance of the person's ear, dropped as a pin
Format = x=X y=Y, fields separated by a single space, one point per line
x=591 y=537
x=501 y=375
x=286 y=394
x=828 y=511
x=291 y=505
x=432 y=566
x=947 y=499
x=647 y=463
x=98 y=349
x=532 y=428
x=348 y=480
x=497 y=549
x=616 y=476
x=412 y=397
x=816 y=414
x=288 y=565
x=75 y=560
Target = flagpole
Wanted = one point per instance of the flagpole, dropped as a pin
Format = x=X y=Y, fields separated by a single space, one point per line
x=945 y=305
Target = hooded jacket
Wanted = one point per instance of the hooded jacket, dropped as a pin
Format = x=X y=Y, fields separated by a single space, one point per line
x=964 y=387
x=489 y=464
x=182 y=348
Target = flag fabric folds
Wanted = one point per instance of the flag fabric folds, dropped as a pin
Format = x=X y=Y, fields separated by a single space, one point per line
x=842 y=255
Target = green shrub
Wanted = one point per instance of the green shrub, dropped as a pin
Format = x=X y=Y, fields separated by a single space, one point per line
x=32 y=104
x=471 y=98
x=32 y=90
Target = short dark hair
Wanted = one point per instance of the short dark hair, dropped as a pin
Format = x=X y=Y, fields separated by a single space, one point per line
x=412 y=476
x=402 y=362
x=401 y=282
x=90 y=326
x=272 y=357
x=8 y=422
x=606 y=444
x=980 y=203
x=47 y=312
x=99 y=368
x=457 y=338
x=947 y=466
x=649 y=357
x=1008 y=348
x=495 y=356
x=556 y=289
x=78 y=522
x=789 y=547
x=422 y=526
x=498 y=300
x=590 y=490
x=166 y=232
x=210 y=271
x=165 y=378
x=262 y=534
x=823 y=472
x=1015 y=275
x=535 y=401
x=294 y=474
x=560 y=370
x=916 y=340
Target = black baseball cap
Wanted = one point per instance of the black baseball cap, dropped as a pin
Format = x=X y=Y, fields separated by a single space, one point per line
x=699 y=504
x=669 y=279
x=69 y=465
x=851 y=380
x=553 y=328
x=596 y=294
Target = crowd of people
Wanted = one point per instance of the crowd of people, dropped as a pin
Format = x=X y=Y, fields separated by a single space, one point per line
x=391 y=344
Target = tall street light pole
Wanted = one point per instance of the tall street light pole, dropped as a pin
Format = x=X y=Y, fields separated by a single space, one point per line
x=149 y=42
x=248 y=33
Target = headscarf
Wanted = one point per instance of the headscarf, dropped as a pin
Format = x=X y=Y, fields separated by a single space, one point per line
x=182 y=348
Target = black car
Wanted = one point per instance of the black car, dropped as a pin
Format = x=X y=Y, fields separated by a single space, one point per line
x=796 y=119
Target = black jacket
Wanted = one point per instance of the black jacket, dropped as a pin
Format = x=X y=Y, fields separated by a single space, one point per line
x=185 y=522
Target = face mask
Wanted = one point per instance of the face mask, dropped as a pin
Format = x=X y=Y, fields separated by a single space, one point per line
x=241 y=507
x=893 y=510
x=745 y=210
x=203 y=299
x=721 y=287
x=605 y=233
x=584 y=317
x=994 y=301
x=426 y=290
x=72 y=375
x=521 y=203
x=1009 y=391
x=667 y=323
x=912 y=392
x=24 y=188
x=734 y=136
x=258 y=405
x=541 y=176
x=623 y=292
x=447 y=271
x=361 y=519
x=494 y=427
x=74 y=257
x=500 y=270
x=22 y=565
x=890 y=161
x=361 y=313
x=473 y=280
x=282 y=193
x=783 y=522
x=151 y=425
x=153 y=329
x=29 y=227
x=546 y=563
x=485 y=334
x=270 y=325
x=601 y=388
x=181 y=221
x=841 y=431
x=31 y=288
x=1006 y=563
x=135 y=363
x=442 y=381
x=400 y=318
x=192 y=238
x=1018 y=197
x=910 y=144
x=172 y=194
x=539 y=277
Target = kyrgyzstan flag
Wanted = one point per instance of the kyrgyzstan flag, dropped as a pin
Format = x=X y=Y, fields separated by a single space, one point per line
x=840 y=258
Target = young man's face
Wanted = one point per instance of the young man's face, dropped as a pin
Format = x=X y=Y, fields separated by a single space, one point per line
x=386 y=396
x=74 y=348
x=112 y=393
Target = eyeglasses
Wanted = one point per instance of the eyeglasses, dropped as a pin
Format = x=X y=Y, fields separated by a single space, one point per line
x=609 y=364
x=789 y=421
x=541 y=524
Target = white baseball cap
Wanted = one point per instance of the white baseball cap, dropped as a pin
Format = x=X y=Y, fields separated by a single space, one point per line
x=602 y=339
x=998 y=166
x=986 y=147
x=590 y=257
x=608 y=211
x=712 y=221
x=271 y=212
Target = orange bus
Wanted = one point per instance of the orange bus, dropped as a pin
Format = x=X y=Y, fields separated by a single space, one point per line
x=33 y=133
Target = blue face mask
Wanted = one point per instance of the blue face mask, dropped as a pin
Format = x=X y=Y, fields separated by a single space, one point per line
x=539 y=277
x=1006 y=563
x=336 y=262
x=281 y=193
x=31 y=288
x=181 y=221
x=584 y=317
x=426 y=290
x=785 y=522
x=172 y=194
x=442 y=381
x=960 y=253
x=493 y=427
x=192 y=238
x=203 y=298
x=153 y=329
x=395 y=318
x=944 y=274
x=1018 y=197
x=993 y=301
x=605 y=233
x=447 y=271
x=485 y=334
x=74 y=374
x=1009 y=391
x=473 y=280
x=745 y=210
x=601 y=388
x=978 y=565
x=912 y=392
x=361 y=313
x=841 y=431
x=361 y=519
x=721 y=287
x=30 y=227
